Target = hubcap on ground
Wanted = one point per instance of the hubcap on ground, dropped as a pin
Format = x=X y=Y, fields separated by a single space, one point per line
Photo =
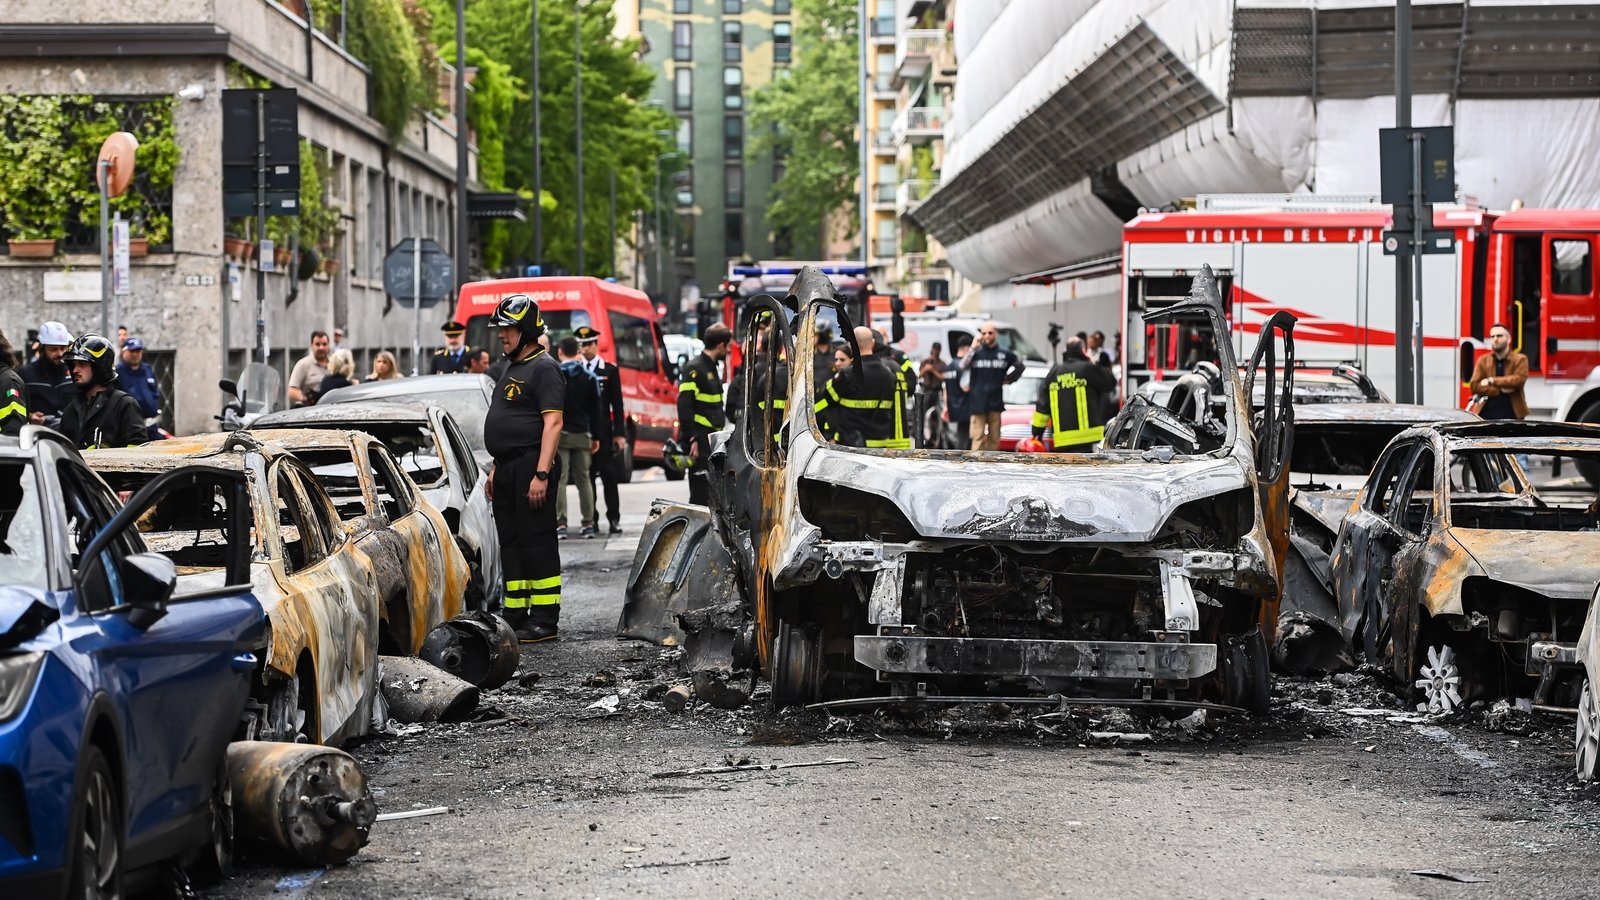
x=1588 y=742
x=1441 y=681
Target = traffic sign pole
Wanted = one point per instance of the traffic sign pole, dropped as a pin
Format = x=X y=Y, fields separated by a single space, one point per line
x=261 y=226
x=416 y=307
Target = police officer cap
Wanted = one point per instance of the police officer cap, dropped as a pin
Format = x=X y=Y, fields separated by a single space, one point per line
x=586 y=335
x=453 y=327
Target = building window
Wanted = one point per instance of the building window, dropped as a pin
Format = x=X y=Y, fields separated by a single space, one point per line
x=682 y=41
x=683 y=89
x=782 y=7
x=733 y=137
x=733 y=185
x=732 y=32
x=733 y=87
x=681 y=6
x=733 y=235
x=685 y=182
x=377 y=215
x=685 y=242
x=782 y=41
x=733 y=7
x=686 y=138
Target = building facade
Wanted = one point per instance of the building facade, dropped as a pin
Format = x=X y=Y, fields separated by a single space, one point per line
x=710 y=56
x=924 y=81
x=191 y=301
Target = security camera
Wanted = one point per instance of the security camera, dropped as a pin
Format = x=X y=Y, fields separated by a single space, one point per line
x=195 y=92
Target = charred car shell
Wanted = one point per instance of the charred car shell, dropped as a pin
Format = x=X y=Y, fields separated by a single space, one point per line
x=1144 y=572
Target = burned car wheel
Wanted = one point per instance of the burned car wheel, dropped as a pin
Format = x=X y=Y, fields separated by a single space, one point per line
x=286 y=714
x=1588 y=736
x=1440 y=680
x=1247 y=675
x=796 y=662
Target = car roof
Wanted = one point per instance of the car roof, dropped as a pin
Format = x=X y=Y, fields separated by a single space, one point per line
x=355 y=411
x=1520 y=428
x=1378 y=413
x=293 y=439
x=406 y=387
x=158 y=456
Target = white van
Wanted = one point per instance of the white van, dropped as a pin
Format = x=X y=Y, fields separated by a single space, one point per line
x=923 y=329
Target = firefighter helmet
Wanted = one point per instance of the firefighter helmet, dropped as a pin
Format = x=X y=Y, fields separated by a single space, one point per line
x=98 y=352
x=1031 y=445
x=675 y=458
x=519 y=311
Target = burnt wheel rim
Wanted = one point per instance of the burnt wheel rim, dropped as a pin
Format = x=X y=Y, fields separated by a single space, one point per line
x=101 y=852
x=1588 y=735
x=1440 y=681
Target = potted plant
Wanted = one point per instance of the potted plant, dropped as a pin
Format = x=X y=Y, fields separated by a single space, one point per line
x=36 y=190
x=238 y=246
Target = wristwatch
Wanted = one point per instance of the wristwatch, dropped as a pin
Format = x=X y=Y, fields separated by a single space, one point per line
x=542 y=476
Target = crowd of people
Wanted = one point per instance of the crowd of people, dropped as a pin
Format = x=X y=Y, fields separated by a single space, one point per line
x=97 y=393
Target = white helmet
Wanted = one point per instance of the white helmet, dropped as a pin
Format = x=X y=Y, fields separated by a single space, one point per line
x=54 y=334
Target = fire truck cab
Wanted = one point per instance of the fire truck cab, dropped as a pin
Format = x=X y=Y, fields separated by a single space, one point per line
x=1322 y=259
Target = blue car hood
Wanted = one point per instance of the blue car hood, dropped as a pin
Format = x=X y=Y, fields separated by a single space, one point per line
x=24 y=612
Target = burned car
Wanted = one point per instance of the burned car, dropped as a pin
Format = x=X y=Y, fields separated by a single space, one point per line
x=319 y=679
x=1335 y=448
x=429 y=445
x=1451 y=568
x=1146 y=572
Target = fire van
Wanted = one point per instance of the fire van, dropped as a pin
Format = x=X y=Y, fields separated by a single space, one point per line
x=1534 y=270
x=630 y=336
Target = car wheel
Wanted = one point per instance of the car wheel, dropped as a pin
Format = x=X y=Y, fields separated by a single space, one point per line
x=286 y=718
x=214 y=861
x=476 y=597
x=624 y=463
x=1248 y=673
x=1588 y=735
x=1440 y=680
x=97 y=846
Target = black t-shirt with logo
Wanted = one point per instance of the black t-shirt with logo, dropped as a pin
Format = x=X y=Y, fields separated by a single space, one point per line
x=525 y=391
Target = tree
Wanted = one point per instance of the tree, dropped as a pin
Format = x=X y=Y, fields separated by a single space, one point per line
x=619 y=132
x=809 y=121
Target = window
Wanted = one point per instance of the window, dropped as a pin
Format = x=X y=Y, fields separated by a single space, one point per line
x=635 y=341
x=733 y=185
x=296 y=532
x=100 y=586
x=685 y=243
x=733 y=137
x=1571 y=268
x=464 y=461
x=377 y=215
x=733 y=234
x=681 y=6
x=1415 y=497
x=1380 y=488
x=394 y=491
x=685 y=182
x=22 y=528
x=733 y=7
x=731 y=34
x=686 y=137
x=683 y=89
x=732 y=87
x=782 y=7
x=782 y=40
x=682 y=41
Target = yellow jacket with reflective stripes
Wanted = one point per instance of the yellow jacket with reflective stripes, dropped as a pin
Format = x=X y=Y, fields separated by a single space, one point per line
x=1071 y=403
x=13 y=402
x=700 y=397
x=868 y=410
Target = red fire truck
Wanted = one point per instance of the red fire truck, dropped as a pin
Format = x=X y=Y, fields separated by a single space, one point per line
x=1535 y=270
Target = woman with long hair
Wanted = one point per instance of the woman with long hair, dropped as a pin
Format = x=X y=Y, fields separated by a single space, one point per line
x=384 y=367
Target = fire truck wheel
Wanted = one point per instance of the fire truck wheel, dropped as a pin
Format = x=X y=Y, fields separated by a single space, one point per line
x=624 y=463
x=1588 y=468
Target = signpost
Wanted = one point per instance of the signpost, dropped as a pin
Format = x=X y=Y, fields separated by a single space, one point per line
x=260 y=173
x=1416 y=170
x=417 y=272
x=113 y=174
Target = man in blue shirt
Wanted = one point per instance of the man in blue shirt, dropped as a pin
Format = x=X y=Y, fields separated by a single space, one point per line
x=138 y=380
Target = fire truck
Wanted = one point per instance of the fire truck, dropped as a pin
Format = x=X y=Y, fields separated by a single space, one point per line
x=747 y=280
x=1322 y=259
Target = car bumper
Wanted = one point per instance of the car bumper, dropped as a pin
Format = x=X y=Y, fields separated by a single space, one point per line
x=900 y=654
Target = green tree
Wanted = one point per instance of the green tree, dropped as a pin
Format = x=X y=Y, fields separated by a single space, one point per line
x=809 y=121
x=619 y=132
x=384 y=35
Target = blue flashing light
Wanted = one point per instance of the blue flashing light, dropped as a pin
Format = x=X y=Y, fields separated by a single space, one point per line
x=535 y=271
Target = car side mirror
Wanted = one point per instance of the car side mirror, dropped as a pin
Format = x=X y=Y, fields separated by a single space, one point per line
x=149 y=581
x=229 y=387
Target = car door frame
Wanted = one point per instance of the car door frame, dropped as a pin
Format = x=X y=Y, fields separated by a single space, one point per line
x=1354 y=576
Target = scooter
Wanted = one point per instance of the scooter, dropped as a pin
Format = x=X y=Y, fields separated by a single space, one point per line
x=257 y=381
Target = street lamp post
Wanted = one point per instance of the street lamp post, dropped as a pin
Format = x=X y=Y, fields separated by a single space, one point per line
x=538 y=168
x=661 y=261
x=461 y=145
x=577 y=93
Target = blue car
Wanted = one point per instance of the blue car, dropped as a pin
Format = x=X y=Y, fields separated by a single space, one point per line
x=121 y=680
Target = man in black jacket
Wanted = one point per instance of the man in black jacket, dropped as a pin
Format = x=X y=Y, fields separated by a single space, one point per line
x=990 y=368
x=865 y=408
x=100 y=415
x=610 y=425
x=49 y=383
x=700 y=412
x=577 y=444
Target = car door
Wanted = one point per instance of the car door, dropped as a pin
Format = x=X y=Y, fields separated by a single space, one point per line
x=1273 y=432
x=1358 y=552
x=1404 y=569
x=436 y=578
x=179 y=665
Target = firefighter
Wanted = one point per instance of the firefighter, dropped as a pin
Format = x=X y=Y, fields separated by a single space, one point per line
x=866 y=407
x=99 y=415
x=49 y=383
x=455 y=355
x=772 y=375
x=521 y=431
x=700 y=412
x=1072 y=401
x=13 y=392
x=610 y=426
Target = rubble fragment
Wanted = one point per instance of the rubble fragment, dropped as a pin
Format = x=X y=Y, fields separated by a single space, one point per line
x=417 y=691
x=1508 y=717
x=676 y=698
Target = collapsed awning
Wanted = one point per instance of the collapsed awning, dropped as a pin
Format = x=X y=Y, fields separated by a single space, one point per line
x=1088 y=268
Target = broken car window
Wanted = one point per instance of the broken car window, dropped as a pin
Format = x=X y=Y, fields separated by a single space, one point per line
x=413 y=447
x=22 y=553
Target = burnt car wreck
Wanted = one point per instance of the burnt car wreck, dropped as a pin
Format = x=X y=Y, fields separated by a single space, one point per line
x=1146 y=572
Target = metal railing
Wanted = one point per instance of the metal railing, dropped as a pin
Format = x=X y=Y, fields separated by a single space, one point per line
x=911 y=193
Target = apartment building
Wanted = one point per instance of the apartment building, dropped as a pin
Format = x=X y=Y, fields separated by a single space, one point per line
x=923 y=80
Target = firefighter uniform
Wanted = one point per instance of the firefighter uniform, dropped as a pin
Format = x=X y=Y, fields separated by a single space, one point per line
x=700 y=415
x=449 y=362
x=866 y=410
x=100 y=418
x=513 y=433
x=1072 y=403
x=13 y=401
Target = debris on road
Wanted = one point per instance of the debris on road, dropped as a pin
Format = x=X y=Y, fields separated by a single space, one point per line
x=478 y=647
x=601 y=679
x=1509 y=717
x=668 y=865
x=418 y=691
x=1121 y=737
x=753 y=767
x=607 y=704
x=1443 y=875
x=677 y=698
x=413 y=813
x=305 y=802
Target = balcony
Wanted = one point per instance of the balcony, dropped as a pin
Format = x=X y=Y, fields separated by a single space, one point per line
x=919 y=124
x=944 y=63
x=883 y=195
x=884 y=248
x=883 y=87
x=914 y=53
x=883 y=141
x=922 y=266
x=911 y=193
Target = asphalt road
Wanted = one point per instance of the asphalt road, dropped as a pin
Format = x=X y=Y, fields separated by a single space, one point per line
x=559 y=799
